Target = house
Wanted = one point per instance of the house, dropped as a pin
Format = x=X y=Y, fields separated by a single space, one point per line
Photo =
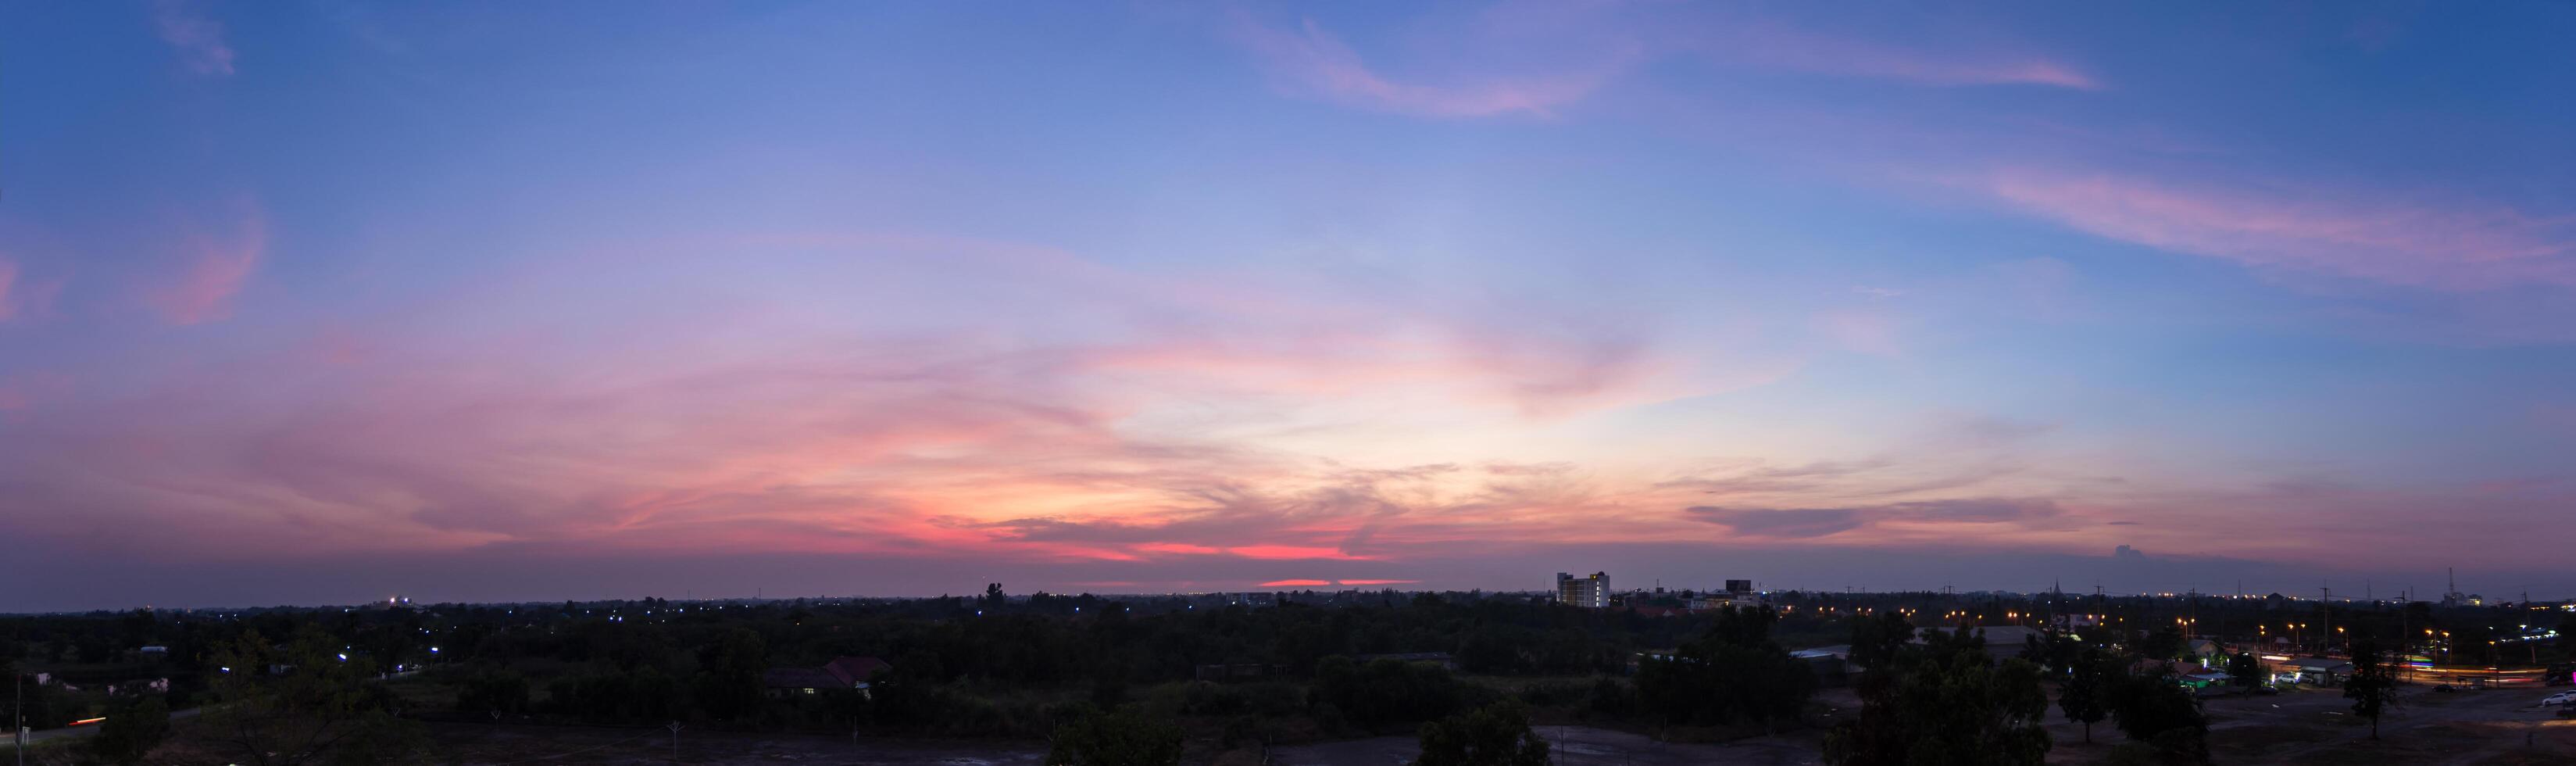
x=2322 y=671
x=1442 y=659
x=1233 y=672
x=787 y=682
x=856 y=671
x=1830 y=665
x=842 y=673
x=2206 y=680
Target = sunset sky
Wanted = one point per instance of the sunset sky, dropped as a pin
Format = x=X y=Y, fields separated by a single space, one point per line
x=323 y=302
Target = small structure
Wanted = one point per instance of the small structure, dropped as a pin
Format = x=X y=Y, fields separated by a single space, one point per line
x=1442 y=659
x=2204 y=649
x=2322 y=671
x=1830 y=665
x=841 y=674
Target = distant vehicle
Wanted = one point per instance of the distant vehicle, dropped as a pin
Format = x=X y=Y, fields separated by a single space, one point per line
x=2560 y=698
x=2267 y=690
x=2445 y=688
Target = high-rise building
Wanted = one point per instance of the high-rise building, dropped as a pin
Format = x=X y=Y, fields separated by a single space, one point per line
x=1588 y=592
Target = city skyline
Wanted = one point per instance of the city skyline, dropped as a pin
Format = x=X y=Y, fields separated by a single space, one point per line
x=485 y=302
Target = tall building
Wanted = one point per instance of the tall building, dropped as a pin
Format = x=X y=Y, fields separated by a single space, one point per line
x=1588 y=592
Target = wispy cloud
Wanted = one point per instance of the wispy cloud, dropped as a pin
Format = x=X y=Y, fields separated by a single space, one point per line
x=2281 y=227
x=1800 y=523
x=215 y=270
x=1773 y=44
x=1307 y=60
x=19 y=297
x=198 y=40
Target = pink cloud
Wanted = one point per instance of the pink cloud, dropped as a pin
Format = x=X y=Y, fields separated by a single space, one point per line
x=1377 y=582
x=198 y=40
x=2403 y=243
x=1311 y=61
x=9 y=299
x=1296 y=583
x=1776 y=45
x=21 y=298
x=22 y=391
x=215 y=272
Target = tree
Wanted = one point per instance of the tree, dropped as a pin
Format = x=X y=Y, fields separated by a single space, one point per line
x=1945 y=702
x=2058 y=653
x=1876 y=640
x=2373 y=686
x=1088 y=737
x=1495 y=735
x=2243 y=671
x=2084 y=696
x=2156 y=709
x=1733 y=671
x=728 y=682
x=1386 y=691
x=135 y=724
x=306 y=702
x=499 y=690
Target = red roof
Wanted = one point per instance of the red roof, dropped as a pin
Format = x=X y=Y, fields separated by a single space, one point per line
x=855 y=670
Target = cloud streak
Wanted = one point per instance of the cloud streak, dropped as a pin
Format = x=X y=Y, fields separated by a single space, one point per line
x=215 y=270
x=1808 y=523
x=1307 y=60
x=198 y=40
x=1777 y=45
x=2276 y=228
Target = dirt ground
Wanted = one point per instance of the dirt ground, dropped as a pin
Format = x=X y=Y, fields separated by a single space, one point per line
x=493 y=745
x=2467 y=728
x=2316 y=726
x=1577 y=746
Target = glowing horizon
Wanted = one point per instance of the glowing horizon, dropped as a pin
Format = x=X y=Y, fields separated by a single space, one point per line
x=1233 y=297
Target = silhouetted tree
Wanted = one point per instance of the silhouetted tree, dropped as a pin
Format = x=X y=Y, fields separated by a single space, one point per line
x=1087 y=737
x=1945 y=702
x=1494 y=735
x=306 y=702
x=728 y=683
x=2373 y=685
x=2157 y=710
x=2084 y=696
x=135 y=724
x=2243 y=670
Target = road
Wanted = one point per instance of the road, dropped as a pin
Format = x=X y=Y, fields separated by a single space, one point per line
x=86 y=730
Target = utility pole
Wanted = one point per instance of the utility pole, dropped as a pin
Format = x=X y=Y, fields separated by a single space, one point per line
x=18 y=727
x=2325 y=603
x=675 y=728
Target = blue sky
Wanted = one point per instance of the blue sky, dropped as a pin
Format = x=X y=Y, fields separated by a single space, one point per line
x=1188 y=297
